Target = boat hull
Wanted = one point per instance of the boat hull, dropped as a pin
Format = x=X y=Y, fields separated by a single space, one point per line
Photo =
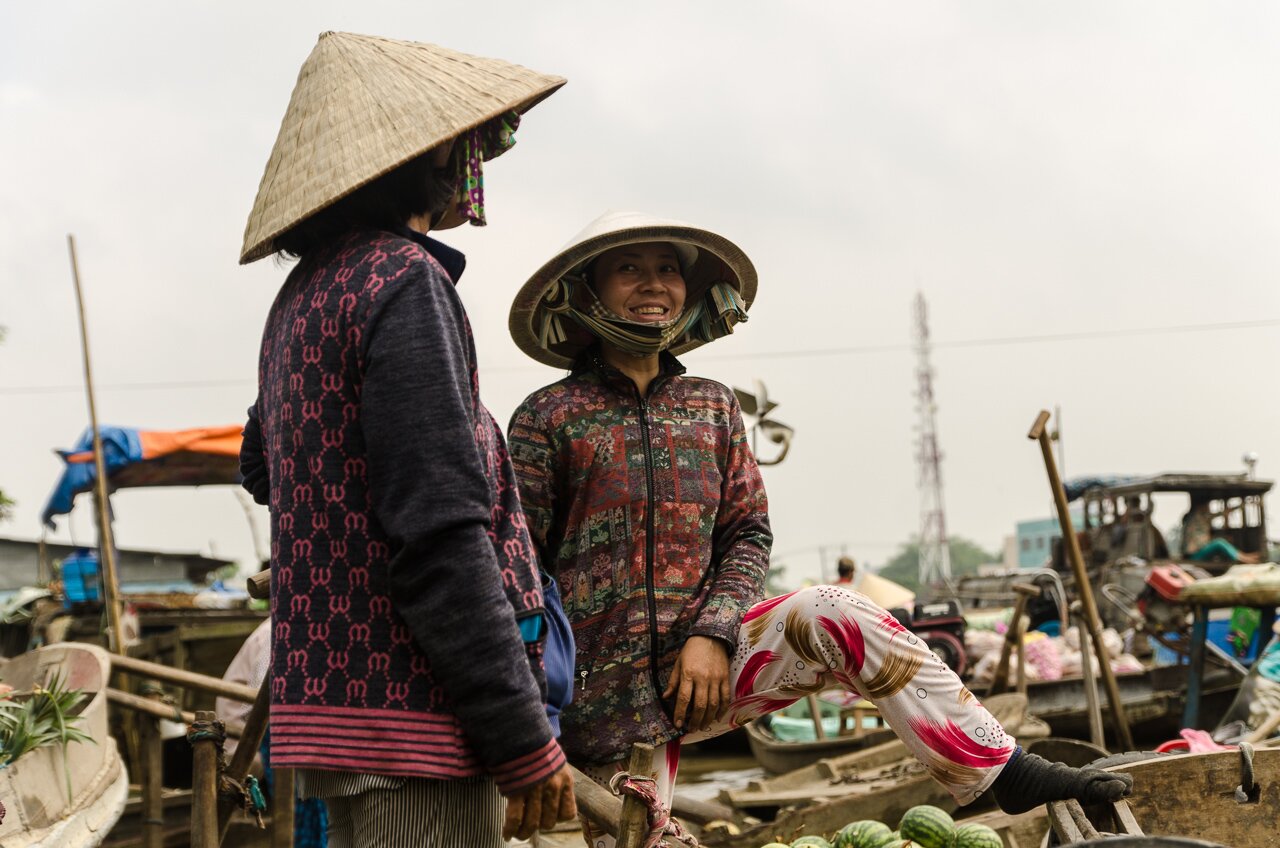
x=34 y=789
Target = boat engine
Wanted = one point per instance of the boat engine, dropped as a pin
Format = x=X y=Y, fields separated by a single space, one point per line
x=1158 y=601
x=941 y=626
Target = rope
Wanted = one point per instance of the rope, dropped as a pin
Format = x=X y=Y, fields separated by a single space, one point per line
x=247 y=795
x=1248 y=790
x=645 y=790
x=201 y=731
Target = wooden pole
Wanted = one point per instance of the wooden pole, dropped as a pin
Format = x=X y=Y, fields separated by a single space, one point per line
x=159 y=709
x=255 y=727
x=1094 y=709
x=602 y=807
x=150 y=744
x=204 y=782
x=1089 y=608
x=106 y=541
x=1022 y=656
x=188 y=679
x=1012 y=637
x=282 y=806
x=634 y=826
x=815 y=713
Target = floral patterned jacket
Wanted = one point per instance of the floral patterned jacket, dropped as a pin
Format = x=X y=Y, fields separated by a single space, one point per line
x=651 y=513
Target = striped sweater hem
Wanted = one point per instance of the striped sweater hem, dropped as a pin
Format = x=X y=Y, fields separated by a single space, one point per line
x=395 y=743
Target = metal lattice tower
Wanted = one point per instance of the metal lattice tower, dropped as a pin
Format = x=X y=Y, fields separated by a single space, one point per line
x=935 y=553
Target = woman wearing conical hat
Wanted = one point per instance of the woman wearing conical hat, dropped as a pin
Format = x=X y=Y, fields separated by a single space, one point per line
x=645 y=502
x=406 y=676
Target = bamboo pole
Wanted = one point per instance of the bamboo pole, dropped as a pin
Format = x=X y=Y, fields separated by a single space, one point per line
x=159 y=709
x=282 y=806
x=152 y=792
x=255 y=727
x=106 y=541
x=204 y=784
x=1088 y=607
x=189 y=679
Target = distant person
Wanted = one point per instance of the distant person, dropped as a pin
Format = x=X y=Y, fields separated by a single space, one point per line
x=1134 y=534
x=407 y=680
x=1198 y=542
x=846 y=568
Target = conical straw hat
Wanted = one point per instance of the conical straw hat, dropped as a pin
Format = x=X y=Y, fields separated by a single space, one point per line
x=706 y=258
x=363 y=106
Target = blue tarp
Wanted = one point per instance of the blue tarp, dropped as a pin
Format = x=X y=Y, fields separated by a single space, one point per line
x=121 y=446
x=200 y=456
x=1077 y=486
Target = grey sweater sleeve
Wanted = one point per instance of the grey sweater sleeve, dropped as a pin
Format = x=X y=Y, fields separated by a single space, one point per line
x=431 y=495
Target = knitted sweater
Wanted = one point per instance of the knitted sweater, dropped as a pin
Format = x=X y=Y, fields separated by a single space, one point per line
x=400 y=559
x=653 y=517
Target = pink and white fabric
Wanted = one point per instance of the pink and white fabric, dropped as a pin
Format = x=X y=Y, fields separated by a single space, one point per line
x=828 y=636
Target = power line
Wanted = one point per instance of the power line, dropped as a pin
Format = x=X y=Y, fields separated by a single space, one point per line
x=853 y=350
x=998 y=341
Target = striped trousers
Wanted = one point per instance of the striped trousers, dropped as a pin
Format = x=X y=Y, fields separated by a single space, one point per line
x=418 y=813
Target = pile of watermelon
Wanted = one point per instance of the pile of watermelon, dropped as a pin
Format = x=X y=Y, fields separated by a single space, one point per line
x=920 y=827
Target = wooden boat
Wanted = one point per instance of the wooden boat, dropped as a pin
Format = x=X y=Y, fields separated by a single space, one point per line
x=1153 y=701
x=1192 y=797
x=780 y=757
x=880 y=782
x=39 y=810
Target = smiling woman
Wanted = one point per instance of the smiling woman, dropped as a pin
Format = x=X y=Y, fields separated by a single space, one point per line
x=644 y=501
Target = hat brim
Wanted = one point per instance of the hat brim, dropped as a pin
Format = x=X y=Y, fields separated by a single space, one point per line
x=364 y=106
x=719 y=260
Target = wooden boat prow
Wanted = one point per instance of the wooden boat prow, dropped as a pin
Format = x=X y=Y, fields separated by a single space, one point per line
x=1191 y=796
x=33 y=788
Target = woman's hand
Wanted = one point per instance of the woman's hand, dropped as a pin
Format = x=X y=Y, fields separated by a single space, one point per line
x=700 y=683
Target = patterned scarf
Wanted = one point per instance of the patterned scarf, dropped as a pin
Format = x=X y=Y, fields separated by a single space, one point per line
x=487 y=141
x=708 y=318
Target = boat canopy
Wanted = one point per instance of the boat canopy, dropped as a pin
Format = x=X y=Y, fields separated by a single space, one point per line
x=1212 y=485
x=200 y=457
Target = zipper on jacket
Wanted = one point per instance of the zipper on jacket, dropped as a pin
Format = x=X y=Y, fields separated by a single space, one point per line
x=650 y=545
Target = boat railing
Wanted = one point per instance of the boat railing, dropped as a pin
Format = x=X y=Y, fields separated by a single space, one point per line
x=212 y=807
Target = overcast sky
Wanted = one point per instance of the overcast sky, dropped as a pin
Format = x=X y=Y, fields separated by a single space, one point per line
x=1036 y=169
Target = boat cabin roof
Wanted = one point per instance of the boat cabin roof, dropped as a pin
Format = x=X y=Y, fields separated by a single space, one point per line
x=1216 y=486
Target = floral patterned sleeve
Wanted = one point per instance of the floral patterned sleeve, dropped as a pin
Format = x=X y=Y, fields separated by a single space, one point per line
x=533 y=457
x=742 y=540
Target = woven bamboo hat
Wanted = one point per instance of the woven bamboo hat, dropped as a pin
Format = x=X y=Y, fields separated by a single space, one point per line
x=363 y=106
x=705 y=259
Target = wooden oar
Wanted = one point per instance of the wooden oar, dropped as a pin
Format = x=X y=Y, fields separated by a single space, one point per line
x=1090 y=609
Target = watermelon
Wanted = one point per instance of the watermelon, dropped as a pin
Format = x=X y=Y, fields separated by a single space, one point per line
x=975 y=836
x=814 y=841
x=901 y=843
x=863 y=834
x=929 y=826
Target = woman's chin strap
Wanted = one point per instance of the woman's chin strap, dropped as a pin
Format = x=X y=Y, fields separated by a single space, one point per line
x=711 y=316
